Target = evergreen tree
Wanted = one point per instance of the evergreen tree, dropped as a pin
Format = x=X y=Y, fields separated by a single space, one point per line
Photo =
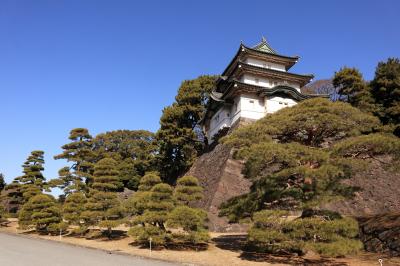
x=79 y=153
x=73 y=208
x=313 y=122
x=32 y=181
x=386 y=92
x=103 y=207
x=2 y=182
x=137 y=203
x=134 y=150
x=352 y=88
x=297 y=159
x=41 y=211
x=13 y=196
x=188 y=190
x=180 y=138
x=326 y=233
x=149 y=181
x=151 y=223
x=191 y=221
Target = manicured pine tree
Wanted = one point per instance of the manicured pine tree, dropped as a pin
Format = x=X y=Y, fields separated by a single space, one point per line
x=79 y=153
x=103 y=207
x=386 y=91
x=151 y=223
x=190 y=220
x=72 y=210
x=13 y=197
x=136 y=204
x=188 y=190
x=32 y=180
x=2 y=182
x=41 y=212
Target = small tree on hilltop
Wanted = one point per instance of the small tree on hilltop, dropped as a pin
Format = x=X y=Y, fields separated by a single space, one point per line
x=188 y=190
x=41 y=211
x=103 y=207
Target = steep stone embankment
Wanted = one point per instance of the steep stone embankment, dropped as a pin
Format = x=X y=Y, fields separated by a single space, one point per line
x=379 y=191
x=221 y=178
x=381 y=233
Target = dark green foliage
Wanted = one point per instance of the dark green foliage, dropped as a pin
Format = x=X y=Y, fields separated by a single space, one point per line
x=275 y=232
x=103 y=207
x=2 y=182
x=134 y=150
x=368 y=146
x=312 y=122
x=148 y=181
x=191 y=221
x=106 y=176
x=78 y=152
x=73 y=207
x=152 y=208
x=179 y=137
x=297 y=159
x=385 y=88
x=354 y=89
x=188 y=190
x=13 y=196
x=32 y=181
x=39 y=212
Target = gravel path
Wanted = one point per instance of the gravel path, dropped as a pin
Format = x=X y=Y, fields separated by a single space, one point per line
x=22 y=251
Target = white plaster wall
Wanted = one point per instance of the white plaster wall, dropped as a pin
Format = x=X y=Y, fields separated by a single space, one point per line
x=221 y=119
x=252 y=107
x=265 y=64
x=252 y=80
x=274 y=104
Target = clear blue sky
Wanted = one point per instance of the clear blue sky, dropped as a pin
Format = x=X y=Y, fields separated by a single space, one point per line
x=108 y=65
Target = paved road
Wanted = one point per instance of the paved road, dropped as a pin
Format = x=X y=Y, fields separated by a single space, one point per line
x=22 y=251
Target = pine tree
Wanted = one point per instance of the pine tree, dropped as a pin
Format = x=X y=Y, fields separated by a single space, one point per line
x=79 y=153
x=137 y=203
x=386 y=92
x=156 y=204
x=13 y=197
x=179 y=137
x=193 y=223
x=190 y=220
x=32 y=181
x=297 y=159
x=41 y=211
x=134 y=150
x=326 y=233
x=354 y=89
x=148 y=181
x=2 y=182
x=188 y=190
x=103 y=207
x=73 y=208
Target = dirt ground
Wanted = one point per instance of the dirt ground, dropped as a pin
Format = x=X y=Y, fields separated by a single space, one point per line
x=225 y=249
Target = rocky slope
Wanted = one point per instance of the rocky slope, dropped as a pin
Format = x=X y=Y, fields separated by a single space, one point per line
x=220 y=176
